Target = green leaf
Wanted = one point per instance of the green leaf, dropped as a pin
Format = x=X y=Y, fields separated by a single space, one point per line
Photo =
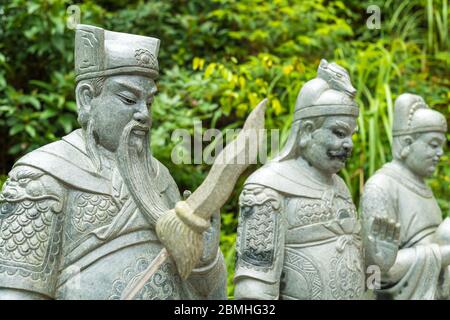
x=48 y=114
x=66 y=122
x=30 y=130
x=34 y=102
x=15 y=129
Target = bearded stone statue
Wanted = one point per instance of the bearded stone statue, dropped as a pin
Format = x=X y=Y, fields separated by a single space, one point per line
x=299 y=236
x=77 y=216
x=398 y=192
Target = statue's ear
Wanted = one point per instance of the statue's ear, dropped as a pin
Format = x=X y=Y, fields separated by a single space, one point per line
x=84 y=95
x=407 y=140
x=406 y=146
x=306 y=133
x=323 y=63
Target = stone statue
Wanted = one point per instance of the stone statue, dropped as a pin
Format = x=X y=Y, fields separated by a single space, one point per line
x=298 y=234
x=398 y=192
x=77 y=216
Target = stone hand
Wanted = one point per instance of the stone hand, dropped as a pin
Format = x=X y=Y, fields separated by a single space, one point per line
x=211 y=242
x=384 y=239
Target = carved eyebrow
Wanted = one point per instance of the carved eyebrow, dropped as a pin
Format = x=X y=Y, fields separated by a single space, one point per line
x=438 y=140
x=343 y=124
x=137 y=91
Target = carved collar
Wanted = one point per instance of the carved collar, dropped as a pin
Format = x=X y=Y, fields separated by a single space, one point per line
x=405 y=178
x=288 y=177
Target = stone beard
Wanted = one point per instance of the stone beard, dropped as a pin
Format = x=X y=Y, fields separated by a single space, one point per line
x=133 y=156
x=77 y=216
x=133 y=161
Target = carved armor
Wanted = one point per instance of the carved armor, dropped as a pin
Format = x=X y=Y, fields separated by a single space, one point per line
x=66 y=239
x=297 y=238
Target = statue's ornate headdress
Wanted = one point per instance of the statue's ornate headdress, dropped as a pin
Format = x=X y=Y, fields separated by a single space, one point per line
x=412 y=115
x=99 y=53
x=330 y=93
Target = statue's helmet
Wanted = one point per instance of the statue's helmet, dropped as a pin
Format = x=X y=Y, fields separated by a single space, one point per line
x=412 y=115
x=100 y=53
x=329 y=94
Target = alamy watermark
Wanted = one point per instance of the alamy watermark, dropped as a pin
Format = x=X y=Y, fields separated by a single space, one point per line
x=73 y=16
x=204 y=148
x=374 y=20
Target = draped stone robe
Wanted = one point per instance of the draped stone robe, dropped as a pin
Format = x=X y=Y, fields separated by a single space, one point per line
x=67 y=232
x=297 y=238
x=391 y=192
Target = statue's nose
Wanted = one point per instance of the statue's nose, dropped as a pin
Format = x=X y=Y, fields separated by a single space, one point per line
x=142 y=116
x=348 y=146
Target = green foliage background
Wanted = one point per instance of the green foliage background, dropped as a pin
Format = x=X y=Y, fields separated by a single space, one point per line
x=218 y=59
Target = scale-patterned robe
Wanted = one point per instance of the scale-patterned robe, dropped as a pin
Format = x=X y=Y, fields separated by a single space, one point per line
x=67 y=232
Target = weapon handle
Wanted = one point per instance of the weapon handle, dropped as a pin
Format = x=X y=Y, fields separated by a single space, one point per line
x=132 y=290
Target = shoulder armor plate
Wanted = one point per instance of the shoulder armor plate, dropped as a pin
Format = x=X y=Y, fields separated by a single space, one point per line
x=30 y=227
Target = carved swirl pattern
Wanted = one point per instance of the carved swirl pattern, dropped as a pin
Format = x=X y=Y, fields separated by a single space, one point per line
x=347 y=276
x=163 y=285
x=146 y=59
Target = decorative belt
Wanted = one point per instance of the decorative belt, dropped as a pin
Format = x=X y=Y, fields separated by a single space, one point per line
x=343 y=231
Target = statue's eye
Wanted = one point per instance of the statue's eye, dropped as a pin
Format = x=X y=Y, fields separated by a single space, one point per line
x=339 y=133
x=23 y=181
x=338 y=75
x=126 y=100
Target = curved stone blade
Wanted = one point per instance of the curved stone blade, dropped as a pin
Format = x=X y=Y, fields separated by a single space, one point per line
x=181 y=230
x=212 y=194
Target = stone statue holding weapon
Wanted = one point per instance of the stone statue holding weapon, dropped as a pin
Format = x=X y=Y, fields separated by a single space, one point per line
x=94 y=215
x=299 y=236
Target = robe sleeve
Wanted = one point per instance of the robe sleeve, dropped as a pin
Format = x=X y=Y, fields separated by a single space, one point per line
x=421 y=280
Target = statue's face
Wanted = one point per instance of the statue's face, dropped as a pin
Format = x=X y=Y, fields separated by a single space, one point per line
x=330 y=145
x=424 y=153
x=123 y=98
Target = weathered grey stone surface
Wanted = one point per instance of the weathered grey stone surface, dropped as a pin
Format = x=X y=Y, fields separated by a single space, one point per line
x=298 y=236
x=398 y=192
x=77 y=217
